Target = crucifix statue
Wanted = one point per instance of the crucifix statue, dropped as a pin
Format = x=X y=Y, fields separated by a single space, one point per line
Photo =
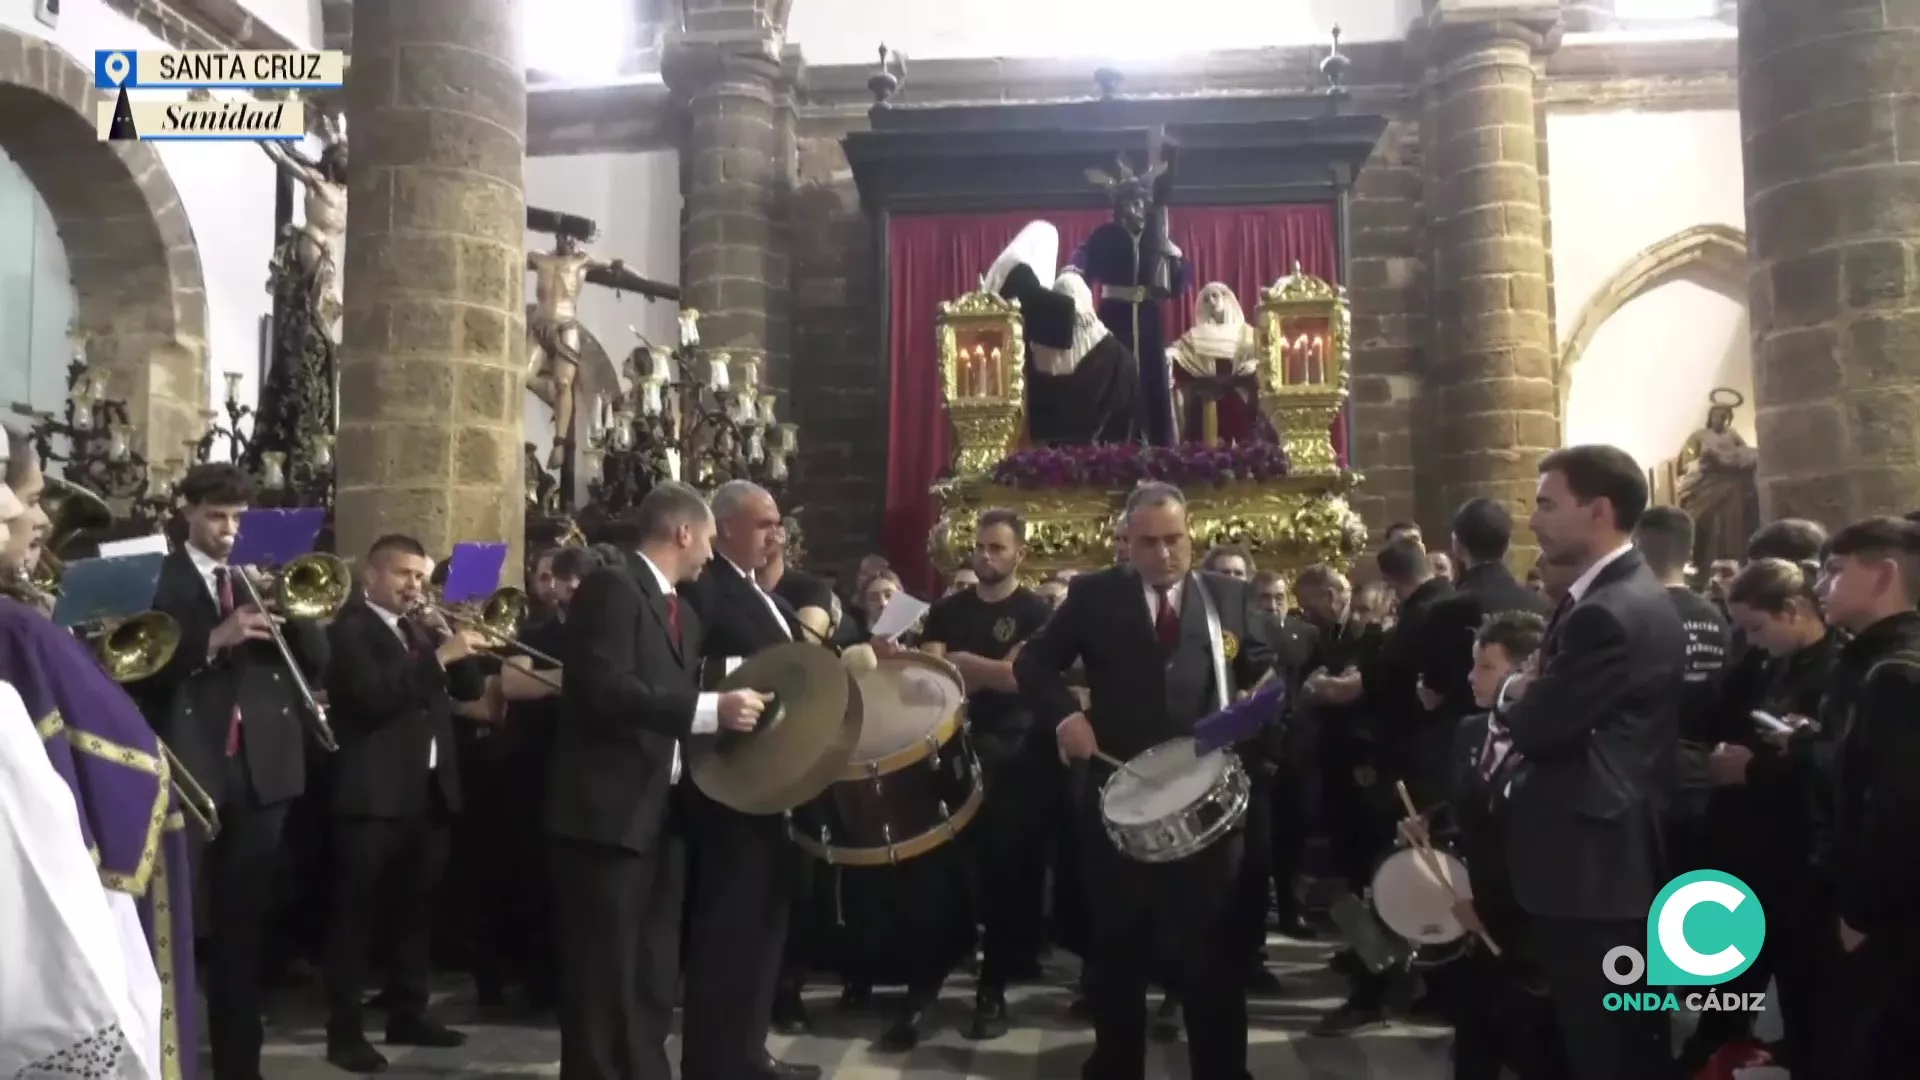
x=315 y=245
x=553 y=328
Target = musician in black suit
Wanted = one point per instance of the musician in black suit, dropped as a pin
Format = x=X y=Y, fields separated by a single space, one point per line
x=1142 y=633
x=1595 y=734
x=396 y=671
x=743 y=869
x=228 y=706
x=632 y=695
x=1482 y=531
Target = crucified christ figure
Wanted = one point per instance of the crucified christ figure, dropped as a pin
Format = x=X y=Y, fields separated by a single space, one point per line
x=553 y=332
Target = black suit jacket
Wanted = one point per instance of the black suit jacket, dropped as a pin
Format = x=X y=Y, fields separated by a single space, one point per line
x=392 y=711
x=190 y=701
x=1597 y=733
x=631 y=690
x=1446 y=667
x=738 y=618
x=1140 y=697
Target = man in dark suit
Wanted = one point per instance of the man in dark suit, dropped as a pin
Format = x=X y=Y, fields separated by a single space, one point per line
x=632 y=695
x=743 y=868
x=1595 y=735
x=1482 y=531
x=1142 y=633
x=396 y=671
x=227 y=706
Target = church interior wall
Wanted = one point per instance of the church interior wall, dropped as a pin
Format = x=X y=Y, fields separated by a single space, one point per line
x=1624 y=181
x=227 y=193
x=635 y=200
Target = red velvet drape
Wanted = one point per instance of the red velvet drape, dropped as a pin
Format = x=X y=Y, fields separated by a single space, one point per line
x=936 y=257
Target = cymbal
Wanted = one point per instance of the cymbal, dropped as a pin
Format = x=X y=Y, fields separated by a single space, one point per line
x=800 y=748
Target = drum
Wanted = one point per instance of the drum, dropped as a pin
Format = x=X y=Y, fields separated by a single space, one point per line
x=914 y=782
x=1413 y=903
x=1170 y=802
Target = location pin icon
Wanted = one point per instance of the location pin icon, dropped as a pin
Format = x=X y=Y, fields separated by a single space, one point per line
x=118 y=68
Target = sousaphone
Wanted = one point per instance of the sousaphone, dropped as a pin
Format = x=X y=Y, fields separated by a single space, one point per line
x=805 y=739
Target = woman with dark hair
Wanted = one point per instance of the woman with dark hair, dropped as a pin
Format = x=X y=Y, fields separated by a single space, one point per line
x=1768 y=808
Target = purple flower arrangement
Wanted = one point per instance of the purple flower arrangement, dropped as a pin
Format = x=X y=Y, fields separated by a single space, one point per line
x=1122 y=466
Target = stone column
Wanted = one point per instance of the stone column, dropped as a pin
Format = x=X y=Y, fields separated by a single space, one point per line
x=736 y=179
x=434 y=334
x=1828 y=107
x=1491 y=386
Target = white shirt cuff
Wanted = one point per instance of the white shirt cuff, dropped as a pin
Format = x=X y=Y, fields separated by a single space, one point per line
x=706 y=714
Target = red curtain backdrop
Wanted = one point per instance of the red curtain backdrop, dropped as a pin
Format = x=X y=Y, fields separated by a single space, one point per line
x=936 y=257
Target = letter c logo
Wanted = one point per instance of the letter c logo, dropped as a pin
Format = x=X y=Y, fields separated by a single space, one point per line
x=1724 y=913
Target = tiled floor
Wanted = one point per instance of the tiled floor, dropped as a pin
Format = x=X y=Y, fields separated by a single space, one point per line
x=1047 y=1044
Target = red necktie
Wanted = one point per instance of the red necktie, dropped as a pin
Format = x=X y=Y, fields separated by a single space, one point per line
x=223 y=587
x=673 y=613
x=1166 y=620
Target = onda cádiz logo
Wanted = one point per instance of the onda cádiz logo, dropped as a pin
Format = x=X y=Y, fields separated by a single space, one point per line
x=1704 y=929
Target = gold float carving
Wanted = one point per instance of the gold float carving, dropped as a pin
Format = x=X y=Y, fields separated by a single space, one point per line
x=982 y=356
x=1301 y=519
x=1306 y=330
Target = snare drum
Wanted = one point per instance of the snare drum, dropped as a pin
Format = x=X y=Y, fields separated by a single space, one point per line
x=1171 y=802
x=1413 y=903
x=914 y=782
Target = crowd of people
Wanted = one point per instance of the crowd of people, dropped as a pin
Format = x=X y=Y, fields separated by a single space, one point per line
x=1578 y=736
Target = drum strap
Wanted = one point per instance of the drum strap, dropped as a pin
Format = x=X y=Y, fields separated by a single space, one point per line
x=1215 y=642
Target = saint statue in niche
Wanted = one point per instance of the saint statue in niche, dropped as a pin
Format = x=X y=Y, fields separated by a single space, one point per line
x=1717 y=485
x=1213 y=366
x=1082 y=381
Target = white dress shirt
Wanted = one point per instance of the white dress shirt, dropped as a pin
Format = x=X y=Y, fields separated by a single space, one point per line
x=1153 y=599
x=765 y=598
x=706 y=710
x=393 y=623
x=207 y=565
x=1585 y=581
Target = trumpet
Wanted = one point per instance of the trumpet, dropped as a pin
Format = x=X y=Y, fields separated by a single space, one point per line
x=497 y=619
x=313 y=586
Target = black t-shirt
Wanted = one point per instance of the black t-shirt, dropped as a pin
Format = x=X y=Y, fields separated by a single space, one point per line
x=965 y=623
x=1708 y=641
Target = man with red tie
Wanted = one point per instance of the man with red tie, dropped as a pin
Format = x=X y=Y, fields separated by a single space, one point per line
x=227 y=706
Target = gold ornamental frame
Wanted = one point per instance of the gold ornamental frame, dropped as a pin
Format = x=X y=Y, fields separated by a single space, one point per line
x=982 y=355
x=1302 y=394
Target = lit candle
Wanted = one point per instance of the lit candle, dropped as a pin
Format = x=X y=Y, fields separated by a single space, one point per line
x=117 y=445
x=756 y=449
x=749 y=373
x=660 y=366
x=273 y=468
x=1319 y=355
x=622 y=433
x=689 y=328
x=717 y=373
x=323 y=452
x=790 y=439
x=650 y=398
x=673 y=463
x=767 y=404
x=996 y=373
x=777 y=469
x=233 y=387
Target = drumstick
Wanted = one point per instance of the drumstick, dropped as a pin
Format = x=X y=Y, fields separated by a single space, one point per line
x=1121 y=766
x=1434 y=866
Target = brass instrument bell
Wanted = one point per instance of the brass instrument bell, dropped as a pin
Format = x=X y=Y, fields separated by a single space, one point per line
x=136 y=647
x=313 y=586
x=71 y=510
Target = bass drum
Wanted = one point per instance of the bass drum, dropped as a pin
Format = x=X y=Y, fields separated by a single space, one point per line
x=914 y=782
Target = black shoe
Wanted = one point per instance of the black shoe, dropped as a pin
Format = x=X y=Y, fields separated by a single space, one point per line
x=775 y=1069
x=420 y=1031
x=1264 y=983
x=790 y=1014
x=905 y=1033
x=354 y=1054
x=989 y=1016
x=856 y=998
x=1348 y=1018
x=1345 y=962
x=1166 y=1020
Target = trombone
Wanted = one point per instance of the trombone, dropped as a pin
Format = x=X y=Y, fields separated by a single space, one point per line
x=135 y=648
x=313 y=586
x=497 y=620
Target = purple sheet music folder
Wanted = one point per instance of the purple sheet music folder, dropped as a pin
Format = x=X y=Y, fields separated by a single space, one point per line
x=276 y=537
x=473 y=572
x=1241 y=720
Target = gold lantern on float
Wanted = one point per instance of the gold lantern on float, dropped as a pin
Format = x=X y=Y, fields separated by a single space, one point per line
x=1305 y=330
x=982 y=356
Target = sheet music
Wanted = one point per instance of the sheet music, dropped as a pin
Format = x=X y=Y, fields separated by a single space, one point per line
x=901 y=613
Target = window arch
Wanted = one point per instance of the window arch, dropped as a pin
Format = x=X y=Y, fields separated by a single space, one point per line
x=37 y=299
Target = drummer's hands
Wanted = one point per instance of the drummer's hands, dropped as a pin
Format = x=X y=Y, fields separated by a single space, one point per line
x=1414 y=831
x=887 y=648
x=740 y=710
x=1076 y=738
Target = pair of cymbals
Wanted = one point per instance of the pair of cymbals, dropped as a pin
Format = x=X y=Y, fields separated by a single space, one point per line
x=803 y=743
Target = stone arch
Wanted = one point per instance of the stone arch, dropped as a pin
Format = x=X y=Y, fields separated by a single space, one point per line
x=140 y=299
x=1713 y=256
